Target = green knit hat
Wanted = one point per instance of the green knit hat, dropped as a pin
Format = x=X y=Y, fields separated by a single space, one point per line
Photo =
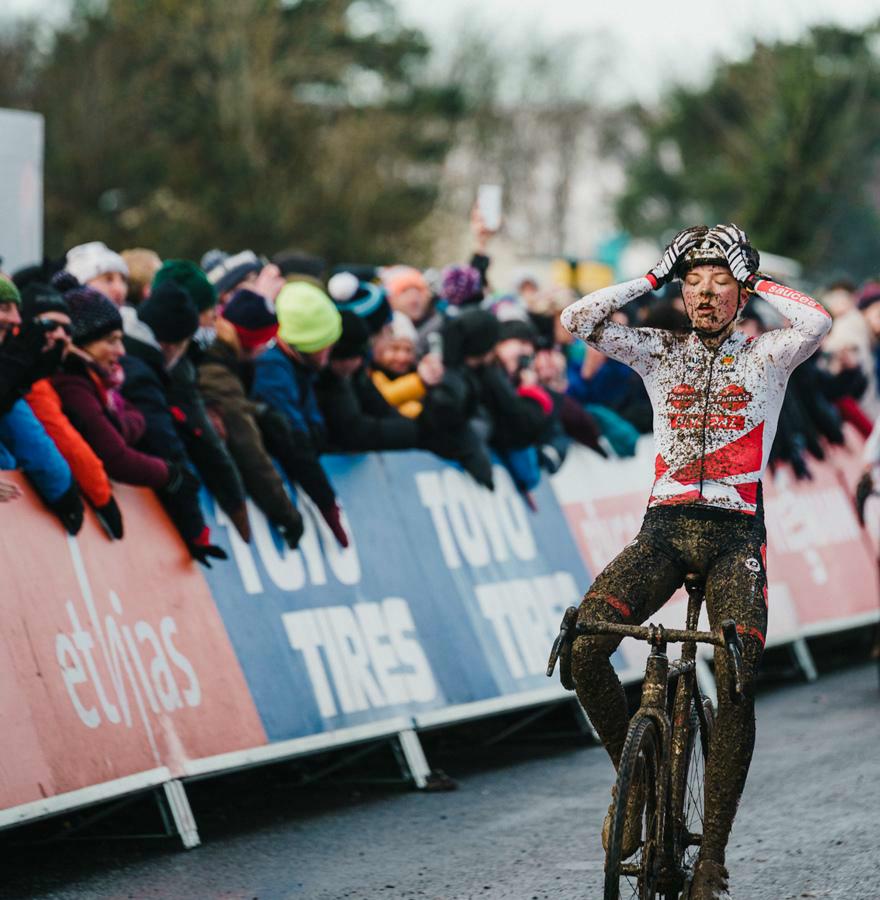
x=9 y=292
x=308 y=319
x=191 y=278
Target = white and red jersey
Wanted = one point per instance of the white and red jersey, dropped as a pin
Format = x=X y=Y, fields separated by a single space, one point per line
x=715 y=410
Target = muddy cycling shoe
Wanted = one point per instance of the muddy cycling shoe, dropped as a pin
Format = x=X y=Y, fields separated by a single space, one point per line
x=632 y=829
x=710 y=881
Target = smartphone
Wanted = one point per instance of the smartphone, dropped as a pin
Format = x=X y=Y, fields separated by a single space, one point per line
x=489 y=204
x=435 y=343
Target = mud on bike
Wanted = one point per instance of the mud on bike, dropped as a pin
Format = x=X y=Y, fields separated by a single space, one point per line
x=665 y=752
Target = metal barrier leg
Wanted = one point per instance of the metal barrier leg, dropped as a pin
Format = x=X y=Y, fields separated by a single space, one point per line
x=706 y=680
x=414 y=764
x=804 y=659
x=181 y=813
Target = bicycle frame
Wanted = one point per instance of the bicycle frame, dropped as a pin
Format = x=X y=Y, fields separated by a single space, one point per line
x=674 y=730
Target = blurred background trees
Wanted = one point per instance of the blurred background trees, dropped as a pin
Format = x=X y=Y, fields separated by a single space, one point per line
x=331 y=126
x=182 y=126
x=785 y=142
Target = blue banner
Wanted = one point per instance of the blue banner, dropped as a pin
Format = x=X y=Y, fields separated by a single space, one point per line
x=449 y=593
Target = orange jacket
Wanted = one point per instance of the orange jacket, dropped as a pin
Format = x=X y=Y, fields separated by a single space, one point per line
x=404 y=392
x=87 y=469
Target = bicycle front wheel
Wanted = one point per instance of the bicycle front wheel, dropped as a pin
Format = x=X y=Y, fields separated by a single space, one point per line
x=690 y=789
x=634 y=877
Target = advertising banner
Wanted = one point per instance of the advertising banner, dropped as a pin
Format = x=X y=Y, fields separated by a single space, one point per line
x=822 y=572
x=113 y=659
x=448 y=594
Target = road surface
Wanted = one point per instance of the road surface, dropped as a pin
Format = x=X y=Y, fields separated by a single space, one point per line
x=522 y=830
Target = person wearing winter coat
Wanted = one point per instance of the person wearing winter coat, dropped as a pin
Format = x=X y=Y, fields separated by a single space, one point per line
x=157 y=335
x=25 y=445
x=358 y=417
x=394 y=369
x=284 y=380
x=246 y=326
x=204 y=446
x=35 y=351
x=44 y=303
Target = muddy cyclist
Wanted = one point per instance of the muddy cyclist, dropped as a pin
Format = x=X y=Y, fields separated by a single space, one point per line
x=716 y=396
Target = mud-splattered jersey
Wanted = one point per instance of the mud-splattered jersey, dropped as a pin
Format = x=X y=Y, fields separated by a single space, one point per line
x=715 y=410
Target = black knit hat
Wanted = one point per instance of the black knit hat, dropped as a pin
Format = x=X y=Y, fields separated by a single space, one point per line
x=471 y=334
x=297 y=262
x=517 y=329
x=37 y=299
x=93 y=316
x=170 y=313
x=354 y=340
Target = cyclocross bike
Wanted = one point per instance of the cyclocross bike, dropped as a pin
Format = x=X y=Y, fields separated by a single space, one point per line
x=665 y=751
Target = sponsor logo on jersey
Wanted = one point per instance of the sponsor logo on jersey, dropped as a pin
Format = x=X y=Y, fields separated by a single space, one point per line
x=682 y=396
x=713 y=422
x=733 y=397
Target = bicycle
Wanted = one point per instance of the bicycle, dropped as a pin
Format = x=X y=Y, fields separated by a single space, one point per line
x=665 y=750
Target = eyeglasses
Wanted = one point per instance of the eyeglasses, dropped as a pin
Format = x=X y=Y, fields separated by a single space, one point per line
x=50 y=325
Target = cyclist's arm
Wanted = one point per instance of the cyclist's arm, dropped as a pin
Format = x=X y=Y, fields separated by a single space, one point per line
x=590 y=319
x=789 y=347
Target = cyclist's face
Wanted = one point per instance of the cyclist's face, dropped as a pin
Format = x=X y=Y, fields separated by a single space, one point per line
x=711 y=296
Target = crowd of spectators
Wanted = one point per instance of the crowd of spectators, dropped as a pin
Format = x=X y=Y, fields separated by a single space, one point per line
x=241 y=371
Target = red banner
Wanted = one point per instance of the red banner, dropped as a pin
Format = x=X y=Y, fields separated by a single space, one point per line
x=113 y=658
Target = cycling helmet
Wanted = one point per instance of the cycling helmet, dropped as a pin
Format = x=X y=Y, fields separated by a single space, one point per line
x=706 y=253
x=710 y=253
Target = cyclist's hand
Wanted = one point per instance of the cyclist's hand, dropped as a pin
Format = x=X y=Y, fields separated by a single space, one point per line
x=742 y=257
x=678 y=246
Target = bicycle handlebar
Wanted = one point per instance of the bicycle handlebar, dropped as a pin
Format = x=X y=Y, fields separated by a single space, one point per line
x=727 y=637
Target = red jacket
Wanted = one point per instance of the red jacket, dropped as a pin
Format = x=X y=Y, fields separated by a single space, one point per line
x=87 y=469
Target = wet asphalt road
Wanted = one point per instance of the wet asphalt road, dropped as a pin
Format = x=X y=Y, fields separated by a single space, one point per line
x=808 y=826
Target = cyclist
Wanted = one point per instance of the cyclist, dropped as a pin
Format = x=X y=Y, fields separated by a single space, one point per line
x=716 y=396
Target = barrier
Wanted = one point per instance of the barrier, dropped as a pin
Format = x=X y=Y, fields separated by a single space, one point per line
x=124 y=667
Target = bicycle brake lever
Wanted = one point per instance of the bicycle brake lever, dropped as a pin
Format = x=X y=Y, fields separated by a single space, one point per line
x=569 y=618
x=734 y=649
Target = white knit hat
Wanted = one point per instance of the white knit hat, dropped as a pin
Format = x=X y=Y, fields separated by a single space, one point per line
x=88 y=261
x=402 y=328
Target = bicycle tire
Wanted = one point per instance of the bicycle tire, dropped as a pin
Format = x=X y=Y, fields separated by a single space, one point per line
x=688 y=819
x=640 y=759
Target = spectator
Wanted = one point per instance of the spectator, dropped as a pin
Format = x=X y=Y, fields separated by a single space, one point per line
x=25 y=445
x=297 y=265
x=358 y=417
x=395 y=374
x=156 y=338
x=244 y=330
x=227 y=272
x=579 y=425
x=184 y=281
x=23 y=440
x=366 y=300
x=284 y=379
x=97 y=266
x=88 y=388
x=142 y=267
x=408 y=293
x=476 y=390
x=44 y=304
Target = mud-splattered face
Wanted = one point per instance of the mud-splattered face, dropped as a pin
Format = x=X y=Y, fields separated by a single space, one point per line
x=711 y=297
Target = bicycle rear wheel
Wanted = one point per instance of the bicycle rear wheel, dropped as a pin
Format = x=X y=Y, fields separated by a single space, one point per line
x=688 y=817
x=634 y=878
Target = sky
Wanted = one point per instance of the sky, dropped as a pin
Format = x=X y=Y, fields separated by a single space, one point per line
x=643 y=45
